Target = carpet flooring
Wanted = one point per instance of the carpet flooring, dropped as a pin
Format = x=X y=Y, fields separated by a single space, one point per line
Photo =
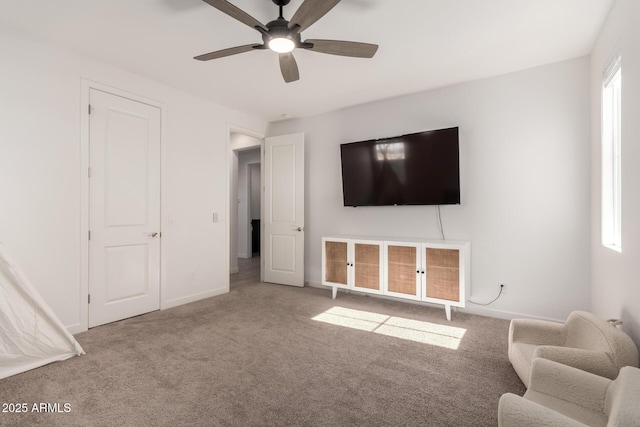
x=270 y=355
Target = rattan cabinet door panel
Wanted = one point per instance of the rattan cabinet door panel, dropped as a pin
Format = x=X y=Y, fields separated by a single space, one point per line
x=336 y=269
x=402 y=270
x=367 y=266
x=443 y=274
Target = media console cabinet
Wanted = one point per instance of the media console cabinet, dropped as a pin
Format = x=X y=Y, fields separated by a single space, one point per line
x=434 y=271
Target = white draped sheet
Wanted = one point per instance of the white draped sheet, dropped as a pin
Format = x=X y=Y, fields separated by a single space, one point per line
x=31 y=335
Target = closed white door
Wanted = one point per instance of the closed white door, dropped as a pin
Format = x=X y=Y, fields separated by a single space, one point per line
x=284 y=210
x=124 y=208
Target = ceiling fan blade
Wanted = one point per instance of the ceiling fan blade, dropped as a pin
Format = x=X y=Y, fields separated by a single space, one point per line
x=343 y=48
x=227 y=52
x=289 y=67
x=309 y=12
x=235 y=12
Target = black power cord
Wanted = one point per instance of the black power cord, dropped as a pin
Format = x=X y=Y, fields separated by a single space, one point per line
x=493 y=300
x=440 y=223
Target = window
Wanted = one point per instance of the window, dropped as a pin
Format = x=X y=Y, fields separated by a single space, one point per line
x=611 y=156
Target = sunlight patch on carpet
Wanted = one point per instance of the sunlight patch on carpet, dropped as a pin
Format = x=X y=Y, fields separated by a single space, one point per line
x=413 y=330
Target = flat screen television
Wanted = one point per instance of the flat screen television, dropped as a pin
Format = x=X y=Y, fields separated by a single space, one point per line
x=416 y=169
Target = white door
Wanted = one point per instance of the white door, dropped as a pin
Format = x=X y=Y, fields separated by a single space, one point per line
x=284 y=210
x=124 y=208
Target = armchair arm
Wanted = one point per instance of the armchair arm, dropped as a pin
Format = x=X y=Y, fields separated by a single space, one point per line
x=539 y=332
x=515 y=411
x=567 y=383
x=596 y=362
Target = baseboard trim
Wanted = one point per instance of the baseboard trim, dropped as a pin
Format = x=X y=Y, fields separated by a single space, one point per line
x=75 y=329
x=507 y=315
x=192 y=298
x=470 y=309
x=78 y=328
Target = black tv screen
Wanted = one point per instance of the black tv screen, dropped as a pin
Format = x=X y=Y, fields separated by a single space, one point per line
x=415 y=169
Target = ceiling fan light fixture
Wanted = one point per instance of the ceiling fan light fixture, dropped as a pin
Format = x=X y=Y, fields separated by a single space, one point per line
x=282 y=36
x=281 y=44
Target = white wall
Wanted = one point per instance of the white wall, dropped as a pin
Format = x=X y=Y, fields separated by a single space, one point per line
x=40 y=176
x=245 y=158
x=615 y=276
x=525 y=157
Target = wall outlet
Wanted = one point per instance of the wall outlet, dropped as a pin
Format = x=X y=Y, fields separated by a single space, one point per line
x=194 y=277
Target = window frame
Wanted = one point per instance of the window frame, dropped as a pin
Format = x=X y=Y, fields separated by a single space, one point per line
x=611 y=140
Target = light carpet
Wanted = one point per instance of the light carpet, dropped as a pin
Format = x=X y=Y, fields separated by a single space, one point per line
x=270 y=355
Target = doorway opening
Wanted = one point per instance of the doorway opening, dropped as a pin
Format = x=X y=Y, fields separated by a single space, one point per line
x=281 y=205
x=248 y=202
x=245 y=204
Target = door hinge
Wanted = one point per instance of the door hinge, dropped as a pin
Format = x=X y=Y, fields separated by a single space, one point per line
x=89 y=172
x=89 y=234
x=89 y=299
x=89 y=109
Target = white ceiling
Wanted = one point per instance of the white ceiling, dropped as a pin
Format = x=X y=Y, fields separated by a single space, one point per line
x=423 y=44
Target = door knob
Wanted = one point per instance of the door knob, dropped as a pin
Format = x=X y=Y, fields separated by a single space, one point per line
x=298 y=229
x=153 y=234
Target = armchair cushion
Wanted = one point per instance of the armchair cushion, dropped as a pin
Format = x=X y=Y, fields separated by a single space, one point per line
x=513 y=410
x=596 y=362
x=570 y=391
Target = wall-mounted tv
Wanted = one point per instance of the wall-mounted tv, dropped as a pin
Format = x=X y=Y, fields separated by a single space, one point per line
x=416 y=169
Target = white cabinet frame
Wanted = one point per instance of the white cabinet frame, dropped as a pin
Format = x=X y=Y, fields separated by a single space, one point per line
x=419 y=270
x=351 y=265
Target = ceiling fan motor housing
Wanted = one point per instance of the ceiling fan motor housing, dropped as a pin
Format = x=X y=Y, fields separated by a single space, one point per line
x=279 y=28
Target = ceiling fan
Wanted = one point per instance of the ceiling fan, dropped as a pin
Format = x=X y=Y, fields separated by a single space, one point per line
x=283 y=36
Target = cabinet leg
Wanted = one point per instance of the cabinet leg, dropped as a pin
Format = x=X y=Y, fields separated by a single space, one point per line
x=447 y=310
x=334 y=292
